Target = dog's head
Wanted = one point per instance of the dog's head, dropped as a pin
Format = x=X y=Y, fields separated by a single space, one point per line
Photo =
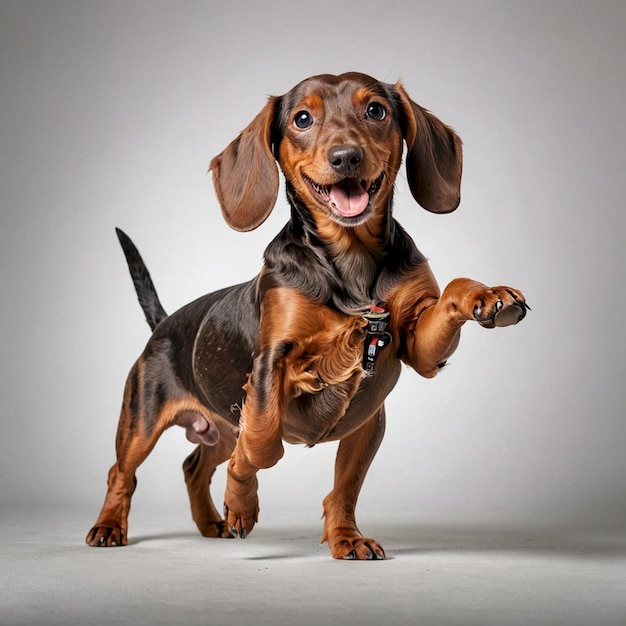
x=338 y=141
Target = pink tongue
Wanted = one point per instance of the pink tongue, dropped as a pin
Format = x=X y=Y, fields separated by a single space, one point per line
x=348 y=197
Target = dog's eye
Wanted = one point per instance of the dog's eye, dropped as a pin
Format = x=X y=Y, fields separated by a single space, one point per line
x=303 y=119
x=376 y=111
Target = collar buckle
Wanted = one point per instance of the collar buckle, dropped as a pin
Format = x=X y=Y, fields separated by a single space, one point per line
x=377 y=336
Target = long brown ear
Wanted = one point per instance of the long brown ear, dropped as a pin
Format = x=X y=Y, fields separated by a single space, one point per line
x=434 y=160
x=245 y=175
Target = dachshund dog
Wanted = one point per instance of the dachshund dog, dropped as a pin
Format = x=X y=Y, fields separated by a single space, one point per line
x=308 y=350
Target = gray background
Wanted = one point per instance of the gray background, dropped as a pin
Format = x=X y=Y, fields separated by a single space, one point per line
x=109 y=115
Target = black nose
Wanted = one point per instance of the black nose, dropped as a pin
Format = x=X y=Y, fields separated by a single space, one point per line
x=345 y=159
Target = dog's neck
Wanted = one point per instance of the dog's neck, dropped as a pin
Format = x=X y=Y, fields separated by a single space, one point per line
x=349 y=270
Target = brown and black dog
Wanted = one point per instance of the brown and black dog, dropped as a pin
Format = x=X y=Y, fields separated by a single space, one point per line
x=308 y=350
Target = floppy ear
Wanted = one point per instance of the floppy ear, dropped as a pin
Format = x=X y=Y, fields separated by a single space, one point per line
x=245 y=175
x=435 y=157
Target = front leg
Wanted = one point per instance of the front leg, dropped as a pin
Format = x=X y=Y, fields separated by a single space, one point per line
x=241 y=502
x=354 y=455
x=305 y=348
x=259 y=444
x=431 y=329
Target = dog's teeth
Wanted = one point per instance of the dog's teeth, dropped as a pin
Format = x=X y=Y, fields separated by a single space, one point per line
x=323 y=190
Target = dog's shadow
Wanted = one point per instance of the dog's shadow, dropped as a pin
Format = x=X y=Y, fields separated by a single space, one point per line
x=263 y=545
x=415 y=541
x=580 y=542
x=168 y=536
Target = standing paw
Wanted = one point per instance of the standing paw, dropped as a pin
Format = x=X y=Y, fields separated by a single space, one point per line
x=213 y=528
x=356 y=549
x=106 y=537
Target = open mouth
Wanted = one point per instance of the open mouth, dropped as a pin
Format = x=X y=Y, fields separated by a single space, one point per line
x=349 y=197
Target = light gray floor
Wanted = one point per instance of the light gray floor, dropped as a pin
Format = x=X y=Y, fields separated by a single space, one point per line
x=435 y=574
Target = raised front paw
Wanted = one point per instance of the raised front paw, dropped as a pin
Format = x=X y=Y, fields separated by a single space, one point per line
x=498 y=306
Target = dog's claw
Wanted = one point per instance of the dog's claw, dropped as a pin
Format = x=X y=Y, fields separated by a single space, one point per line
x=373 y=555
x=234 y=531
x=240 y=534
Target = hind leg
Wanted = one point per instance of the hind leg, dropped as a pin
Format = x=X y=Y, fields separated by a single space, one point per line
x=111 y=527
x=133 y=445
x=199 y=468
x=153 y=401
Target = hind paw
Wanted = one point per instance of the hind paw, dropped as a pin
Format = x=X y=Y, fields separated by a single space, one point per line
x=218 y=529
x=106 y=537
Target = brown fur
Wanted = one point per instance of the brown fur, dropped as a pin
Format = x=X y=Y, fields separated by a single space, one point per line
x=281 y=358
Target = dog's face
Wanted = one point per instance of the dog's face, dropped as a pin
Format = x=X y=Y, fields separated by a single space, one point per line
x=339 y=144
x=338 y=140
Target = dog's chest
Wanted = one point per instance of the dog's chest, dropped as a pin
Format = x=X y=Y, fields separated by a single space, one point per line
x=313 y=368
x=334 y=411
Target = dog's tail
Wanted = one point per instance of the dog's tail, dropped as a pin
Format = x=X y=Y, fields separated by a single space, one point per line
x=146 y=293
